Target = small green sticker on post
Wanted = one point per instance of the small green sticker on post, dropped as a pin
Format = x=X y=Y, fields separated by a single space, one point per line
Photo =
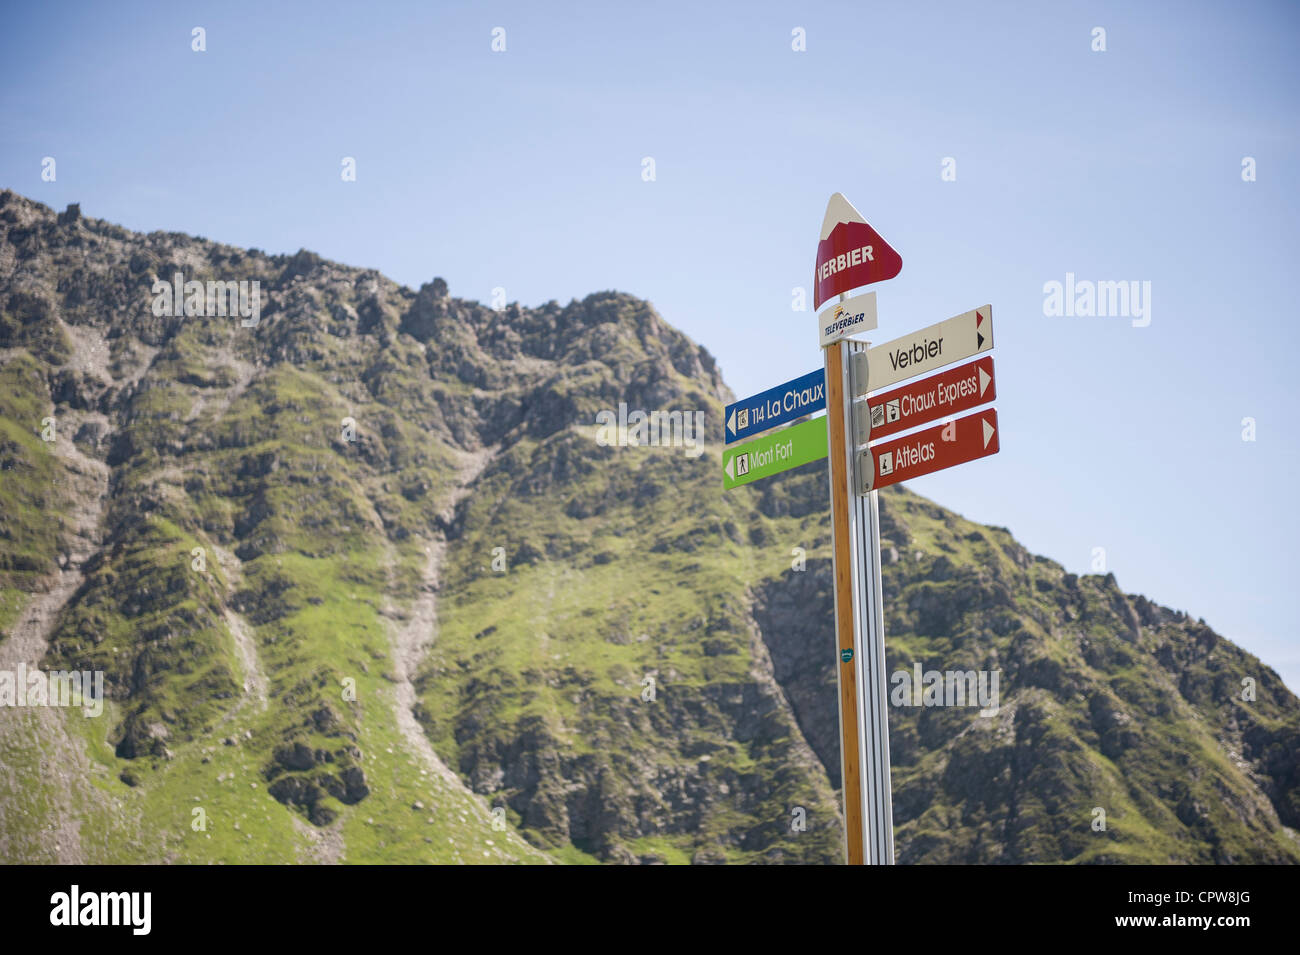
x=774 y=453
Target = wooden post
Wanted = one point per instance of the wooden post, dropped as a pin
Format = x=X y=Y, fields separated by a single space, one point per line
x=837 y=402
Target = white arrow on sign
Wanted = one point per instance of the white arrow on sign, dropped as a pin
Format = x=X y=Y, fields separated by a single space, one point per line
x=730 y=466
x=731 y=422
x=988 y=429
x=984 y=384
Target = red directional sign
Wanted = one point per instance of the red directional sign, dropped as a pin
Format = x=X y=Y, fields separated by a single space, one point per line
x=920 y=402
x=925 y=452
x=850 y=253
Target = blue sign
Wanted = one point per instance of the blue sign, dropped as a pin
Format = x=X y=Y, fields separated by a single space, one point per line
x=775 y=406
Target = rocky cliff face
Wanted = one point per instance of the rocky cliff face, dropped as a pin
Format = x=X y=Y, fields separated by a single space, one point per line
x=368 y=583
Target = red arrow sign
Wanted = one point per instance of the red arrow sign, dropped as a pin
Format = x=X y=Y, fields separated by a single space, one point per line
x=943 y=446
x=850 y=253
x=947 y=393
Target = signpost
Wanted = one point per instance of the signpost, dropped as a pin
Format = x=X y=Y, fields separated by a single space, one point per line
x=851 y=254
x=795 y=399
x=774 y=453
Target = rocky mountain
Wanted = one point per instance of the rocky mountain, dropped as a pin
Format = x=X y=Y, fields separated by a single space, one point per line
x=367 y=583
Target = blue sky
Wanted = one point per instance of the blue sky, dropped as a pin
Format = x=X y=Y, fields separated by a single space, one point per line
x=523 y=169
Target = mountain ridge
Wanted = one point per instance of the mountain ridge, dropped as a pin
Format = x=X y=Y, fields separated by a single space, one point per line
x=373 y=559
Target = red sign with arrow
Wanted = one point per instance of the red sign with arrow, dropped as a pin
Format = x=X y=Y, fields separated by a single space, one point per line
x=920 y=402
x=850 y=253
x=943 y=446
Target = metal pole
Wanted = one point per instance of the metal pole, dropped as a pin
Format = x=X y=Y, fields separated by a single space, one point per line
x=869 y=635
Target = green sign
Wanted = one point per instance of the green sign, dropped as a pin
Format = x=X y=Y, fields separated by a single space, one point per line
x=774 y=453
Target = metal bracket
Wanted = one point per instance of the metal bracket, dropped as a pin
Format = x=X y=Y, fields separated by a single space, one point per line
x=864 y=470
x=864 y=465
x=858 y=373
x=861 y=423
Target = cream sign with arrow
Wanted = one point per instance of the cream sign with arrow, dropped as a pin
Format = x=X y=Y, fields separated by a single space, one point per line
x=943 y=343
